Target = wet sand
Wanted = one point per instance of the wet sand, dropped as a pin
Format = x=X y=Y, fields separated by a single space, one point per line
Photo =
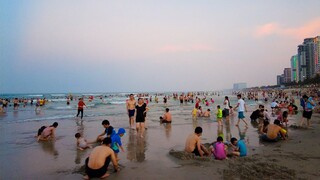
x=149 y=158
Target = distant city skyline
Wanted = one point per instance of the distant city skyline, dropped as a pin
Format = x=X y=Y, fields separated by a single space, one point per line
x=143 y=46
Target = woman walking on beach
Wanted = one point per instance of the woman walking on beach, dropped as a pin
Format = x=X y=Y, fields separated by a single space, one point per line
x=140 y=116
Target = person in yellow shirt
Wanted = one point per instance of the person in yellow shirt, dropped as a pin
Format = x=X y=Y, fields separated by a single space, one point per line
x=219 y=115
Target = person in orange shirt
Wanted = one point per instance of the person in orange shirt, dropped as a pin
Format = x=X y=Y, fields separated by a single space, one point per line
x=80 y=107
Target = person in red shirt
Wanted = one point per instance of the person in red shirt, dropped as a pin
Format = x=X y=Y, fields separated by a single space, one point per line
x=80 y=107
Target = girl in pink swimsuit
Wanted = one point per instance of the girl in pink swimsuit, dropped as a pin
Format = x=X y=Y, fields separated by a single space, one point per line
x=219 y=150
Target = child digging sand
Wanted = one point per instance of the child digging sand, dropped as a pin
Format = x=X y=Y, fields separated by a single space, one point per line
x=82 y=143
x=218 y=149
x=116 y=142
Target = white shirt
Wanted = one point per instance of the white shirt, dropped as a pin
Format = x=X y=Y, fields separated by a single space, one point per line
x=226 y=104
x=241 y=105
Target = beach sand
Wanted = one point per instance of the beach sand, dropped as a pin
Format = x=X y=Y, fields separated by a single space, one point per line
x=158 y=155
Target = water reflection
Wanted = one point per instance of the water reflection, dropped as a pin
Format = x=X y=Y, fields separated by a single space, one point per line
x=49 y=147
x=242 y=133
x=228 y=131
x=168 y=130
x=136 y=147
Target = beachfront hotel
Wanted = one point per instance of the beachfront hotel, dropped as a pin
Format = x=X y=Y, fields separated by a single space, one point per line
x=305 y=64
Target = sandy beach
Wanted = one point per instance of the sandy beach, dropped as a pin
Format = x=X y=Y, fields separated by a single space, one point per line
x=150 y=157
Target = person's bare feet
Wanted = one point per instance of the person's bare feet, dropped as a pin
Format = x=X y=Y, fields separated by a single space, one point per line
x=105 y=175
x=86 y=177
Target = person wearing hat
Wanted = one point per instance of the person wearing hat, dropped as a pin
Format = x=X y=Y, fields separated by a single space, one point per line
x=116 y=142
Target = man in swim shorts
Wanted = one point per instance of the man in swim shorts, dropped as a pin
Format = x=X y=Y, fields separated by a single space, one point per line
x=98 y=161
x=274 y=132
x=131 y=107
x=193 y=143
x=166 y=118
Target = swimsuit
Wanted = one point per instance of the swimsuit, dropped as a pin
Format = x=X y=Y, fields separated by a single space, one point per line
x=97 y=172
x=131 y=112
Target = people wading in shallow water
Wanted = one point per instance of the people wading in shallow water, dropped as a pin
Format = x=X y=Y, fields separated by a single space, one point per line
x=80 y=107
x=131 y=105
x=142 y=109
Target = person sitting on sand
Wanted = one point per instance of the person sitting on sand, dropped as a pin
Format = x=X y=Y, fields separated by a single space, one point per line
x=99 y=159
x=46 y=133
x=239 y=146
x=82 y=143
x=274 y=132
x=193 y=144
x=167 y=117
x=218 y=149
x=207 y=113
x=108 y=132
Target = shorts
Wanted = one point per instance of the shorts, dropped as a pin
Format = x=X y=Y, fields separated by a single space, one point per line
x=241 y=115
x=131 y=112
x=97 y=172
x=15 y=105
x=164 y=121
x=226 y=112
x=264 y=137
x=196 y=152
x=307 y=114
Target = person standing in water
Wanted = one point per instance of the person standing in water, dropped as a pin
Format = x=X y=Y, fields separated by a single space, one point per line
x=131 y=105
x=241 y=109
x=140 y=117
x=80 y=107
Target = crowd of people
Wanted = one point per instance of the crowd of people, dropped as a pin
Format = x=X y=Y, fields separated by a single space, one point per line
x=281 y=105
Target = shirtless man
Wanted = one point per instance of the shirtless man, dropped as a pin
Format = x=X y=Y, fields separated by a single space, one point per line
x=46 y=133
x=274 y=132
x=98 y=161
x=166 y=118
x=131 y=107
x=193 y=144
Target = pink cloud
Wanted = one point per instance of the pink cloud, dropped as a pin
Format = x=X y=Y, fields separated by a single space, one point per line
x=309 y=29
x=186 y=48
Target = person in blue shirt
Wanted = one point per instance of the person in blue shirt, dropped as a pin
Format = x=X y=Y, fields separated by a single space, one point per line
x=108 y=132
x=116 y=142
x=307 y=111
x=239 y=147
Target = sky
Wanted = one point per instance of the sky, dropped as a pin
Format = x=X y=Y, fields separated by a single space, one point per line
x=147 y=46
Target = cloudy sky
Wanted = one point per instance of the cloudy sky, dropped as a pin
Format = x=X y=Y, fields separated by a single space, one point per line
x=146 y=45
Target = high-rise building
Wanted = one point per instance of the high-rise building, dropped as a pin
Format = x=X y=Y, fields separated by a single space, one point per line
x=317 y=53
x=239 y=86
x=287 y=75
x=302 y=73
x=295 y=68
x=280 y=79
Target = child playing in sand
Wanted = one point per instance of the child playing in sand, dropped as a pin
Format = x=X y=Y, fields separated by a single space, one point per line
x=239 y=147
x=116 y=142
x=218 y=149
x=219 y=115
x=82 y=143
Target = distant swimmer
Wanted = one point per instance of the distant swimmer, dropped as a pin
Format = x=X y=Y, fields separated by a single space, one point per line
x=15 y=103
x=167 y=117
x=131 y=108
x=47 y=133
x=80 y=107
x=98 y=161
